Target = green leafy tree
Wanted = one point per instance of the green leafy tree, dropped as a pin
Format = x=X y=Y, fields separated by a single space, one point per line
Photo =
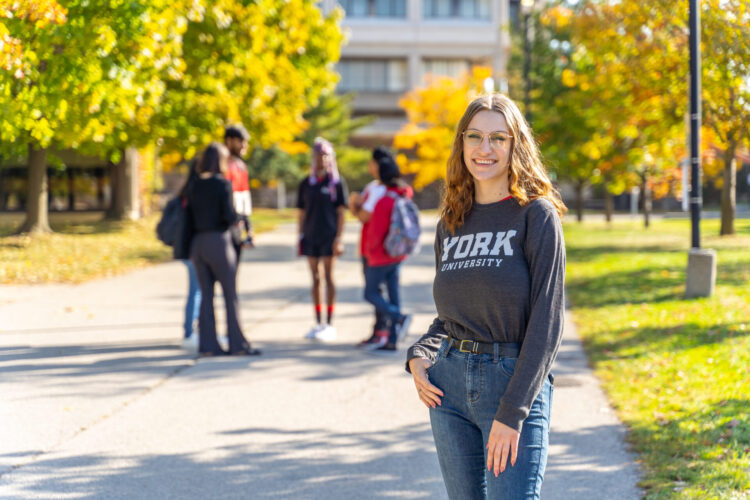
x=560 y=117
x=89 y=84
x=262 y=63
x=726 y=89
x=633 y=119
x=36 y=14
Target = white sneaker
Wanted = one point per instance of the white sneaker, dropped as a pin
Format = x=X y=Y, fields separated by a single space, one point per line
x=326 y=334
x=312 y=334
x=190 y=343
x=402 y=327
x=224 y=342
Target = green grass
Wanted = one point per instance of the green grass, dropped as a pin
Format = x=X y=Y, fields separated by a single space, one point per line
x=676 y=370
x=85 y=247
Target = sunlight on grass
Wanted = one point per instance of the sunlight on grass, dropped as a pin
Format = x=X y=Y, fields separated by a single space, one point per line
x=87 y=248
x=677 y=370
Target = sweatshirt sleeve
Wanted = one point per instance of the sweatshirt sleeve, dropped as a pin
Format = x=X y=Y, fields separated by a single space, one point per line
x=429 y=344
x=544 y=250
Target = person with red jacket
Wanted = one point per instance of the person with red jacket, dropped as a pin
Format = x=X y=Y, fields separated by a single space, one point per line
x=236 y=139
x=362 y=205
x=381 y=267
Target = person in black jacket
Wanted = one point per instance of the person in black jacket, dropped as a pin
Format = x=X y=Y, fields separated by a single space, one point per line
x=212 y=253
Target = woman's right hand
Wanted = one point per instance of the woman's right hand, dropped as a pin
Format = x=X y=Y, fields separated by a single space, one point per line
x=428 y=393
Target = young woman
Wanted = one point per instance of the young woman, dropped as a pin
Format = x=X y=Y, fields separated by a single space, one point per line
x=382 y=269
x=362 y=205
x=212 y=251
x=483 y=368
x=321 y=200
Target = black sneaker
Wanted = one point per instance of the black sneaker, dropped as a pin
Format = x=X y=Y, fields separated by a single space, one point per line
x=370 y=340
x=381 y=339
x=402 y=327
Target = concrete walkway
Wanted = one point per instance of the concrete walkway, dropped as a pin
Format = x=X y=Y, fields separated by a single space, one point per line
x=97 y=400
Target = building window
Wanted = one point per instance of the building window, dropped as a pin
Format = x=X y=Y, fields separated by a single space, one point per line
x=515 y=9
x=372 y=75
x=445 y=67
x=374 y=8
x=463 y=9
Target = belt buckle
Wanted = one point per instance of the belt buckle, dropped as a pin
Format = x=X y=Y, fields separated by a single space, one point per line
x=461 y=346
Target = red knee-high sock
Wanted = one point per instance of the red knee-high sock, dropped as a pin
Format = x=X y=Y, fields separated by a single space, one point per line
x=318 y=310
x=330 y=313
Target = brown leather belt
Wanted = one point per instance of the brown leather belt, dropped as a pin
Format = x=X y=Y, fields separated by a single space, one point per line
x=504 y=349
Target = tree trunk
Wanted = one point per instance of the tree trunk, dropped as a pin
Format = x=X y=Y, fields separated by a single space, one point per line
x=71 y=189
x=728 y=193
x=646 y=201
x=124 y=184
x=579 y=201
x=116 y=200
x=37 y=220
x=609 y=205
x=280 y=195
x=100 y=188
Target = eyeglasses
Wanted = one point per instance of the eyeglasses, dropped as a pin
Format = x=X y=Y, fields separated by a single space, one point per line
x=498 y=140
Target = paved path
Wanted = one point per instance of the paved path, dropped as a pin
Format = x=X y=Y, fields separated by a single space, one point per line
x=97 y=400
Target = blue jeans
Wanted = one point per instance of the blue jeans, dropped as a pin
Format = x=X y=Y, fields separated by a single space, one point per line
x=381 y=320
x=473 y=385
x=374 y=276
x=193 y=304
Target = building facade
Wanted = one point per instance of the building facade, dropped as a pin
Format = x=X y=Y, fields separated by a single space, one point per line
x=393 y=44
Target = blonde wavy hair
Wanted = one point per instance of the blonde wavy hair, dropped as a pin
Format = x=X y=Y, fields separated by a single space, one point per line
x=527 y=175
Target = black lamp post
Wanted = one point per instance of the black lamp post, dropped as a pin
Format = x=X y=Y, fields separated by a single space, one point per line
x=695 y=123
x=527 y=7
x=701 y=270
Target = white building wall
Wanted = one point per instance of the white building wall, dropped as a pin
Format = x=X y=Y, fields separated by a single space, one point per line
x=414 y=39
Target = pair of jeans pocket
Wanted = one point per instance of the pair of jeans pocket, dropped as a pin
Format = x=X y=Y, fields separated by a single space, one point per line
x=507 y=365
x=439 y=356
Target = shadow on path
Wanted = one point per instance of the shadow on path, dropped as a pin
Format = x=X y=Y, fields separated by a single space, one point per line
x=260 y=463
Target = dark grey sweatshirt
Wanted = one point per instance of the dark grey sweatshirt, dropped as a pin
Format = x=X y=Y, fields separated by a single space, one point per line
x=500 y=278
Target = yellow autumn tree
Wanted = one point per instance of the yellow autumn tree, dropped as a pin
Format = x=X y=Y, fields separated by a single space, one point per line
x=433 y=112
x=35 y=14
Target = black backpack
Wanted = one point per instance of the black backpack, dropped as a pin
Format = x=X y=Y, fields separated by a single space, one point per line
x=166 y=229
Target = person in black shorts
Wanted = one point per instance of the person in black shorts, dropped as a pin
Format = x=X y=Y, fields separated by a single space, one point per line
x=321 y=200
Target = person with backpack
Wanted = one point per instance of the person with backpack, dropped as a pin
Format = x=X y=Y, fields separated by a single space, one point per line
x=389 y=218
x=483 y=367
x=166 y=231
x=362 y=205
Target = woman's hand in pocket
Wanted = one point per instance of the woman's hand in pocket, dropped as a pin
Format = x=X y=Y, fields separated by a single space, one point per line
x=428 y=393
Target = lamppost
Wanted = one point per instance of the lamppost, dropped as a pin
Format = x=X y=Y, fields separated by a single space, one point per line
x=701 y=271
x=527 y=7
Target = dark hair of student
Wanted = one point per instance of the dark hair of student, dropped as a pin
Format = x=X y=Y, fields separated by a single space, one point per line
x=191 y=176
x=389 y=173
x=237 y=131
x=213 y=159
